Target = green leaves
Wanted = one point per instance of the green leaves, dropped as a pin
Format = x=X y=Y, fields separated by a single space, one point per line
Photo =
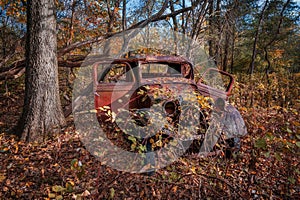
x=78 y=168
x=260 y=143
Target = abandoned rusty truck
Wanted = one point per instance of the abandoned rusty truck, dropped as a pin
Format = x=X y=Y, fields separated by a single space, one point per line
x=150 y=100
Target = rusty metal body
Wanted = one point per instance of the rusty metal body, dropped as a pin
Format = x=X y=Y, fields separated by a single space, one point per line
x=110 y=88
x=130 y=84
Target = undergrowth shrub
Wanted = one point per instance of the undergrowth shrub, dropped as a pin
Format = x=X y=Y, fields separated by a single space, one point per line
x=278 y=89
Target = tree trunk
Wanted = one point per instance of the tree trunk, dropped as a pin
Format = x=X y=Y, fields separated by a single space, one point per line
x=42 y=113
x=71 y=28
x=211 y=29
x=253 y=57
x=218 y=53
x=226 y=50
x=124 y=21
x=175 y=27
x=232 y=48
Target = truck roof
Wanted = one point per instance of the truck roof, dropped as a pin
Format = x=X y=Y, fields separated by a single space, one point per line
x=166 y=59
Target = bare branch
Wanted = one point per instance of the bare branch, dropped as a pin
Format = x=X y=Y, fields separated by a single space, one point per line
x=14 y=69
x=154 y=18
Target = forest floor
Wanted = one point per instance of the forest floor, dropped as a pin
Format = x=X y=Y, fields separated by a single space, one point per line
x=266 y=167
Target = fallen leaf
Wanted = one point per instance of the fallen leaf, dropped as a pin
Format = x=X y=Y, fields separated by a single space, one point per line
x=112 y=193
x=86 y=193
x=2 y=177
x=58 y=188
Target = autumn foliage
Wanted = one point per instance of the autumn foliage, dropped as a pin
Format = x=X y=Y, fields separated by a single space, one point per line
x=265 y=167
x=257 y=41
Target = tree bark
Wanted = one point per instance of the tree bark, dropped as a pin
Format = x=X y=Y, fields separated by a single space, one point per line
x=256 y=38
x=71 y=28
x=232 y=49
x=277 y=32
x=218 y=53
x=124 y=21
x=226 y=50
x=211 y=29
x=42 y=113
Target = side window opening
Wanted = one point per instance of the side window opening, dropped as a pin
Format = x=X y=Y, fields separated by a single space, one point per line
x=120 y=73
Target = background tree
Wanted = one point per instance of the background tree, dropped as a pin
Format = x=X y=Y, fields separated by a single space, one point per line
x=257 y=30
x=226 y=28
x=42 y=112
x=268 y=27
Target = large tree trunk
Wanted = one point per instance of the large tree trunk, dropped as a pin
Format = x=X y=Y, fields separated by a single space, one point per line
x=42 y=112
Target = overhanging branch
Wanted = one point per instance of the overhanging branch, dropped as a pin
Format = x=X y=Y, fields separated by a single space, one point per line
x=16 y=70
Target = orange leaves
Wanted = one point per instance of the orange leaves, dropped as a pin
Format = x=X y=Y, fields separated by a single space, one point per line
x=15 y=9
x=46 y=171
x=279 y=90
x=2 y=177
x=278 y=53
